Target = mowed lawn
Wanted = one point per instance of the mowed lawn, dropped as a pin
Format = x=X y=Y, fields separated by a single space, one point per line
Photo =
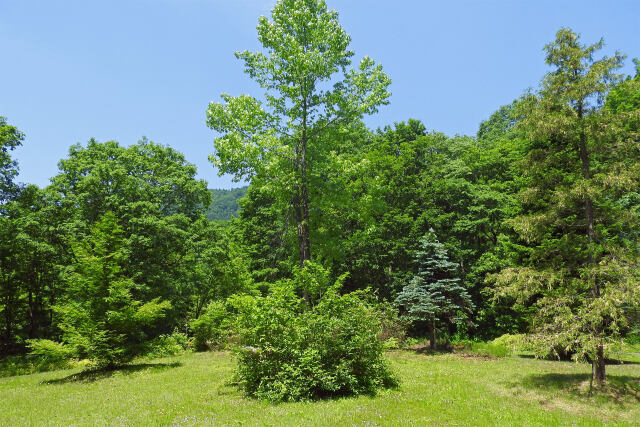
x=194 y=389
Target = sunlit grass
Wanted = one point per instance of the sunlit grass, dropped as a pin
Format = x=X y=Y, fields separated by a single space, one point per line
x=448 y=389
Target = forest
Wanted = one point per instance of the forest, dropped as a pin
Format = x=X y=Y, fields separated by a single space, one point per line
x=349 y=242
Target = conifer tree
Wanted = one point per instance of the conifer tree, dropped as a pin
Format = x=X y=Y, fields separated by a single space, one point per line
x=582 y=271
x=101 y=318
x=435 y=294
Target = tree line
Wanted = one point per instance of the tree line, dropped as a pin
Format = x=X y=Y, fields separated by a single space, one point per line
x=529 y=226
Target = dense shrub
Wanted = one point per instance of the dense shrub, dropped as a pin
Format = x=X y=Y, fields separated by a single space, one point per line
x=393 y=327
x=633 y=338
x=293 y=350
x=167 y=345
x=515 y=343
x=212 y=327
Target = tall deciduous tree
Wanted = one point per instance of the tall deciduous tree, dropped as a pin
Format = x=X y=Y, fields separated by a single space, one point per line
x=310 y=92
x=582 y=271
x=155 y=197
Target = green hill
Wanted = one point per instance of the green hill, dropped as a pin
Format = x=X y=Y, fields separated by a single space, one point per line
x=224 y=204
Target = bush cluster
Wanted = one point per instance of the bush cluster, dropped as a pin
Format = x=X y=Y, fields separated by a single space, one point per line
x=291 y=349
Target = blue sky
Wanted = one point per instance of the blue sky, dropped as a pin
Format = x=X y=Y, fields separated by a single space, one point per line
x=121 y=69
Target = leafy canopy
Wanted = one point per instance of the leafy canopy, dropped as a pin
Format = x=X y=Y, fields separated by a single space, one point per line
x=308 y=88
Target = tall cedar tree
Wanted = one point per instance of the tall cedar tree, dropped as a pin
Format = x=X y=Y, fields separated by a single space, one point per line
x=310 y=92
x=582 y=272
x=435 y=294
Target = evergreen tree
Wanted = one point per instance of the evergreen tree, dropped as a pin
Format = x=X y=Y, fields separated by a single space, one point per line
x=101 y=318
x=581 y=273
x=434 y=294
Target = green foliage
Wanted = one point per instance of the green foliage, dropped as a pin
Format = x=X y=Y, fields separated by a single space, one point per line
x=490 y=349
x=167 y=345
x=581 y=271
x=31 y=251
x=224 y=203
x=290 y=350
x=155 y=198
x=633 y=339
x=100 y=318
x=50 y=351
x=212 y=327
x=311 y=94
x=515 y=343
x=435 y=294
x=625 y=97
x=10 y=139
x=214 y=266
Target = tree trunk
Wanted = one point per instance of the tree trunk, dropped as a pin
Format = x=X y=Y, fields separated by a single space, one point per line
x=599 y=367
x=302 y=205
x=598 y=364
x=32 y=315
x=303 y=234
x=432 y=338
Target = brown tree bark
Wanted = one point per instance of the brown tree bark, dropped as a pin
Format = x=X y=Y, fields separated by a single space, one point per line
x=432 y=338
x=598 y=363
x=599 y=367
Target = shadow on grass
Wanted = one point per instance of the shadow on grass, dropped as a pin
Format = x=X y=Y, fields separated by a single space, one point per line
x=617 y=361
x=93 y=375
x=621 y=362
x=618 y=388
x=429 y=351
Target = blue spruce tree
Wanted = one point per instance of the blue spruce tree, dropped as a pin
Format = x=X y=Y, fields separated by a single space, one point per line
x=435 y=294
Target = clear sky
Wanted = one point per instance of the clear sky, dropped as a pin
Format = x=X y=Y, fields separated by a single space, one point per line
x=120 y=69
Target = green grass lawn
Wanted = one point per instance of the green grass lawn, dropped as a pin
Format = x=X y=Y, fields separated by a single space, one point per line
x=194 y=389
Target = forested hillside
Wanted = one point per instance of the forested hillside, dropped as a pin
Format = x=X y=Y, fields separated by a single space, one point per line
x=348 y=240
x=224 y=203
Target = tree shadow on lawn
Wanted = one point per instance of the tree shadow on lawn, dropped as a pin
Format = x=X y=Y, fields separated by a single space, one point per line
x=618 y=388
x=93 y=375
x=426 y=350
x=609 y=362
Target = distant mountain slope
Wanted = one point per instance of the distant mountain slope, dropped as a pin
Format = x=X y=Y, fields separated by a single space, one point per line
x=225 y=203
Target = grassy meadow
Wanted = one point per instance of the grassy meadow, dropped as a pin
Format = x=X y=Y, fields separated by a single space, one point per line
x=445 y=389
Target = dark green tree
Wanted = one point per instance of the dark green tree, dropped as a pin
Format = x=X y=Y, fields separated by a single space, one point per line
x=581 y=274
x=10 y=139
x=435 y=294
x=31 y=251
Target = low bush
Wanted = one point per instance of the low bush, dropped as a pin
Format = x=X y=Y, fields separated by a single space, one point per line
x=490 y=349
x=393 y=328
x=293 y=350
x=515 y=343
x=211 y=329
x=46 y=355
x=50 y=352
x=167 y=345
x=633 y=338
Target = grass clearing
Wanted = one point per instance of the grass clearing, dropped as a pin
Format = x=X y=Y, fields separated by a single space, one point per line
x=448 y=389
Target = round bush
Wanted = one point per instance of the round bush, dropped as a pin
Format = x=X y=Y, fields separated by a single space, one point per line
x=293 y=350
